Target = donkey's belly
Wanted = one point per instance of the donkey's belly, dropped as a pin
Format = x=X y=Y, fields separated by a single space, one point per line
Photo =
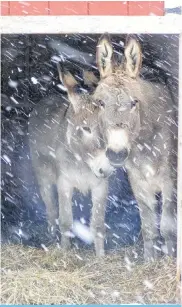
x=145 y=172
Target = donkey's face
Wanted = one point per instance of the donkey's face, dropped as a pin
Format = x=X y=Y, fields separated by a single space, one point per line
x=119 y=92
x=83 y=132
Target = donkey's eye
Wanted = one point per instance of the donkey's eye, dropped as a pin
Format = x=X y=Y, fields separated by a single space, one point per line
x=87 y=129
x=134 y=103
x=101 y=103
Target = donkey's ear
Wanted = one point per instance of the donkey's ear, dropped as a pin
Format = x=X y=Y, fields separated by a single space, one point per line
x=71 y=85
x=66 y=78
x=100 y=104
x=133 y=57
x=89 y=78
x=104 y=56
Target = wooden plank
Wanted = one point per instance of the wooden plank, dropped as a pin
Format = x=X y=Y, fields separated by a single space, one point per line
x=4 y=8
x=91 y=24
x=68 y=7
x=19 y=8
x=145 y=8
x=120 y=8
x=108 y=8
x=157 y=8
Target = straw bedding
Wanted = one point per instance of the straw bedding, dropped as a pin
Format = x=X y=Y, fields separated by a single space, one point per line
x=51 y=276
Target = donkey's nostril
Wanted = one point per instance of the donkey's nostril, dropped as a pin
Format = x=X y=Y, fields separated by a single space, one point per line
x=101 y=171
x=111 y=154
x=116 y=157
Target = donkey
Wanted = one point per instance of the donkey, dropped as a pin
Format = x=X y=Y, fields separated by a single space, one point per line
x=68 y=151
x=139 y=128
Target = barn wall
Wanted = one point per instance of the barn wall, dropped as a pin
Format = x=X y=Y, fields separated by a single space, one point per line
x=120 y=8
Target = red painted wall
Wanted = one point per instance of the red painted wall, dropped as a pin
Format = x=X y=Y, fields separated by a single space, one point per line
x=121 y=8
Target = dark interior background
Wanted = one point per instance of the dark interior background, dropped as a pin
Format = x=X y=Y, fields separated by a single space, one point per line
x=29 y=73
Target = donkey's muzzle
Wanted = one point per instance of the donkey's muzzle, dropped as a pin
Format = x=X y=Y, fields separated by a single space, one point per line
x=104 y=173
x=117 y=158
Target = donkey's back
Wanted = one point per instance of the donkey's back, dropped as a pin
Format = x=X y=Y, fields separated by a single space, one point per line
x=44 y=124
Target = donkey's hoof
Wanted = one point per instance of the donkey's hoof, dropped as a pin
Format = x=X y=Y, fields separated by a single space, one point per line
x=170 y=248
x=52 y=231
x=151 y=251
x=100 y=253
x=99 y=247
x=65 y=243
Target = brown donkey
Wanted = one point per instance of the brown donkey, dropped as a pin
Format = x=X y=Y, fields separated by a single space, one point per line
x=67 y=150
x=139 y=128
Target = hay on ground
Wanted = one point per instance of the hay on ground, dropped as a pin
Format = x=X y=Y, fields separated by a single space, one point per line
x=35 y=276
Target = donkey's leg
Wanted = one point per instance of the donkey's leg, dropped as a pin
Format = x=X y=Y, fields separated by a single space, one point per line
x=65 y=191
x=99 y=197
x=147 y=206
x=46 y=179
x=168 y=226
